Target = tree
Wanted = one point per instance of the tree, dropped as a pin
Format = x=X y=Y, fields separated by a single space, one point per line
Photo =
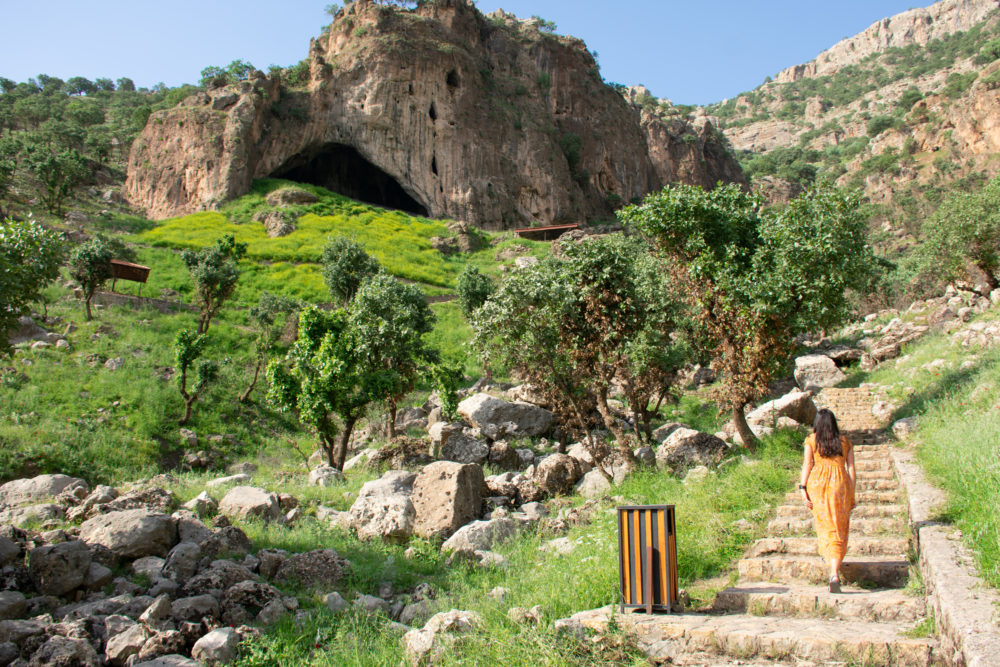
x=389 y=319
x=578 y=326
x=965 y=233
x=346 y=266
x=57 y=173
x=264 y=320
x=79 y=85
x=755 y=279
x=188 y=347
x=30 y=256
x=90 y=267
x=215 y=271
x=473 y=289
x=125 y=84
x=214 y=76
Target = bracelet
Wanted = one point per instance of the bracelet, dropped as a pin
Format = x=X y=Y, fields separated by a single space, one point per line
x=802 y=486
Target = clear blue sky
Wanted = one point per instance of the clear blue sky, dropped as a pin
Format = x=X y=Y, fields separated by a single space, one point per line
x=690 y=52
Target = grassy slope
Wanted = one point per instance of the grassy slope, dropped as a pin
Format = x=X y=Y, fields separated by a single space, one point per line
x=958 y=434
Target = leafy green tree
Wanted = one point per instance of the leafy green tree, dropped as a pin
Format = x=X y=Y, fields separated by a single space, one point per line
x=215 y=271
x=266 y=323
x=188 y=347
x=389 y=319
x=214 y=77
x=473 y=289
x=446 y=378
x=57 y=173
x=578 y=326
x=346 y=266
x=90 y=267
x=964 y=234
x=755 y=279
x=79 y=85
x=30 y=256
x=125 y=84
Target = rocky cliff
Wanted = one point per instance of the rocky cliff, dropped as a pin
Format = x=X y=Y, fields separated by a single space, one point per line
x=439 y=111
x=916 y=26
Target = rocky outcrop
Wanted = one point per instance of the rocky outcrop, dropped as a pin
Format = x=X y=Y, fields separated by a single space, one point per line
x=437 y=110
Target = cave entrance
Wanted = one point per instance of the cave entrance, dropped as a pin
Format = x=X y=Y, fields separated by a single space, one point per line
x=344 y=170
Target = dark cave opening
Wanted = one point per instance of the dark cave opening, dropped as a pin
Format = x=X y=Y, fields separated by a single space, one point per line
x=344 y=170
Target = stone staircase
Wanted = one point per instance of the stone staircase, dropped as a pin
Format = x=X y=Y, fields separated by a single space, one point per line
x=780 y=610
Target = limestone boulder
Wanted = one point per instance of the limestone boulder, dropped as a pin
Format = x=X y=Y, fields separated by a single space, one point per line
x=557 y=473
x=36 y=489
x=904 y=428
x=437 y=637
x=462 y=448
x=814 y=372
x=593 y=485
x=321 y=568
x=65 y=652
x=483 y=409
x=251 y=502
x=13 y=604
x=326 y=476
x=131 y=533
x=128 y=641
x=686 y=447
x=194 y=608
x=480 y=536
x=57 y=569
x=383 y=509
x=218 y=577
x=797 y=405
x=446 y=496
x=217 y=647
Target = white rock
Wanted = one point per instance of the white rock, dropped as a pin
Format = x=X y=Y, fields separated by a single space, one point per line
x=383 y=508
x=482 y=409
x=816 y=371
x=335 y=602
x=593 y=484
x=480 y=536
x=251 y=502
x=218 y=646
x=230 y=479
x=326 y=476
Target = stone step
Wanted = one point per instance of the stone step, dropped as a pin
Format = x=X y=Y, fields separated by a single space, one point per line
x=868 y=484
x=880 y=571
x=860 y=511
x=671 y=637
x=888 y=605
x=859 y=527
x=807 y=546
x=860 y=497
x=873 y=464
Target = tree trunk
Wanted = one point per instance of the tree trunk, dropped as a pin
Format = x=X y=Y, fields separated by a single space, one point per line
x=253 y=383
x=345 y=439
x=390 y=427
x=750 y=441
x=188 y=402
x=87 y=302
x=612 y=424
x=327 y=444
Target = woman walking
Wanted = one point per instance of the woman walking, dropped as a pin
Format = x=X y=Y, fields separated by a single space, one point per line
x=827 y=486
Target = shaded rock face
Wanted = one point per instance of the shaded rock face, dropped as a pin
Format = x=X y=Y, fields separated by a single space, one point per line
x=438 y=111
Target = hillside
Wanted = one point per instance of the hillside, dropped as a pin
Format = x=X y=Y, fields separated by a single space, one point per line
x=906 y=110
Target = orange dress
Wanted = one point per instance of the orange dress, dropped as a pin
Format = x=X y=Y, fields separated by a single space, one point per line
x=832 y=494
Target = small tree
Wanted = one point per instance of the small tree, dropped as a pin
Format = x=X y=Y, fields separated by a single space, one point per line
x=188 y=347
x=447 y=378
x=965 y=233
x=30 y=256
x=264 y=320
x=57 y=173
x=215 y=271
x=90 y=267
x=473 y=289
x=346 y=266
x=756 y=279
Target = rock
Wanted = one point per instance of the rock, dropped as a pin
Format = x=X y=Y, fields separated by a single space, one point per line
x=686 y=447
x=446 y=496
x=250 y=502
x=291 y=197
x=65 y=652
x=25 y=491
x=561 y=546
x=557 y=473
x=480 y=536
x=482 y=409
x=276 y=223
x=816 y=371
x=646 y=456
x=8 y=653
x=114 y=364
x=221 y=576
x=534 y=511
x=417 y=612
x=238 y=478
x=503 y=456
x=218 y=646
x=159 y=610
x=149 y=566
x=202 y=504
x=593 y=484
x=189 y=439
x=661 y=433
x=320 y=568
x=27 y=330
x=904 y=428
x=12 y=605
x=131 y=533
x=371 y=604
x=169 y=661
x=45 y=515
x=59 y=568
x=248 y=600
x=335 y=602
x=182 y=562
x=383 y=508
x=9 y=551
x=429 y=644
x=696 y=474
x=97 y=577
x=523 y=616
x=462 y=448
x=194 y=608
x=164 y=642
x=499 y=593
x=797 y=405
x=326 y=476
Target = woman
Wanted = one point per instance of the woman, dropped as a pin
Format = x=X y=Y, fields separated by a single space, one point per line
x=827 y=486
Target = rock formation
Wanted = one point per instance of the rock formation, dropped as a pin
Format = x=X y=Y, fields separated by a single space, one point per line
x=439 y=111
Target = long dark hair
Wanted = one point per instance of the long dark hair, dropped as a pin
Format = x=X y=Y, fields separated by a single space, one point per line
x=827 y=434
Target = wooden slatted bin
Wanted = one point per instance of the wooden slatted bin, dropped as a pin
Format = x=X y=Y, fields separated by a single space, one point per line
x=647 y=557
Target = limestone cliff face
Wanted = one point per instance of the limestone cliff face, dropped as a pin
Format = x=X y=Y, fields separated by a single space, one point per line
x=916 y=26
x=440 y=111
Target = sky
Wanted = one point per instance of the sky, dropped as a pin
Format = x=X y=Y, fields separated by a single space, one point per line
x=690 y=52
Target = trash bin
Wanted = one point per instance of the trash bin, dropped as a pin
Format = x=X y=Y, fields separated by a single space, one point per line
x=647 y=557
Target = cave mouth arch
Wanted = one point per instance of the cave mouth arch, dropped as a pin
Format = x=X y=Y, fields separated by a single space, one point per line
x=342 y=169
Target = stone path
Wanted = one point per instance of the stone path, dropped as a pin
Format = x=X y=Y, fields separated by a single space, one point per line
x=780 y=611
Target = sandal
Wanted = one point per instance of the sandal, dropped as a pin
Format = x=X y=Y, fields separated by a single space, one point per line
x=835 y=585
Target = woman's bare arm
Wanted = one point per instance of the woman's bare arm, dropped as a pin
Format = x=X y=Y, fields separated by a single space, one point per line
x=807 y=464
x=850 y=467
